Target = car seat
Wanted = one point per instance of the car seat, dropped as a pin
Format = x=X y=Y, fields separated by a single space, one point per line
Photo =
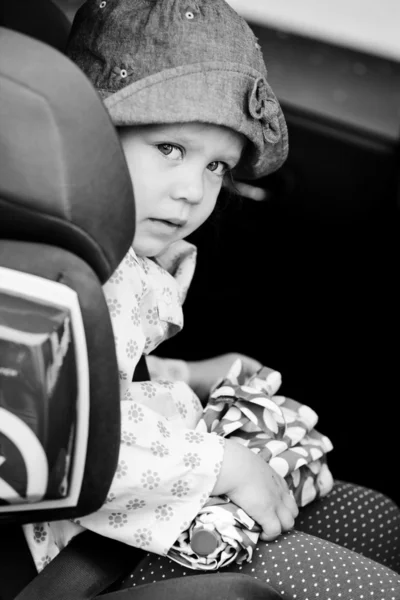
x=66 y=222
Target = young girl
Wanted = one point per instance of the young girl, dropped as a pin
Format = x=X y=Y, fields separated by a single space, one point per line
x=186 y=85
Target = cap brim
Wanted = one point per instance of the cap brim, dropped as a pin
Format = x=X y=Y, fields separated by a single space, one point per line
x=183 y=95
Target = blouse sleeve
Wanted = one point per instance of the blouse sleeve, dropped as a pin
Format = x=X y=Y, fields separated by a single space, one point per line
x=166 y=471
x=165 y=474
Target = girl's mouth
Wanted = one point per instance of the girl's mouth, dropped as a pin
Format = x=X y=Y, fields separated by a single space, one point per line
x=170 y=223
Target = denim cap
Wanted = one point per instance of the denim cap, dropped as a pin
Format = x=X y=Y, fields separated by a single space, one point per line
x=181 y=61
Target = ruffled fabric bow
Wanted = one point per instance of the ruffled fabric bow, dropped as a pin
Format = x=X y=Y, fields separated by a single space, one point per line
x=278 y=428
x=265 y=108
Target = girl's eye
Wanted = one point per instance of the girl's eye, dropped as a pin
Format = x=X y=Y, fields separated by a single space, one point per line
x=173 y=152
x=218 y=167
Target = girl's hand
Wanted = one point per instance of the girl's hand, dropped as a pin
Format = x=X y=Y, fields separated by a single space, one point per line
x=254 y=486
x=203 y=374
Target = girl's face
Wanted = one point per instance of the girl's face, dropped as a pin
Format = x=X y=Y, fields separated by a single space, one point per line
x=177 y=172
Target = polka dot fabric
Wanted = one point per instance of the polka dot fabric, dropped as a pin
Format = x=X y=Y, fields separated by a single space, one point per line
x=329 y=559
x=359 y=519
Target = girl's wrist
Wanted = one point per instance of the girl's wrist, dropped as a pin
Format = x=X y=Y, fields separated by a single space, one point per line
x=234 y=462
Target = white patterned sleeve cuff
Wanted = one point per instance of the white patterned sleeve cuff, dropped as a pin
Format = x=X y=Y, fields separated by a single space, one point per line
x=165 y=475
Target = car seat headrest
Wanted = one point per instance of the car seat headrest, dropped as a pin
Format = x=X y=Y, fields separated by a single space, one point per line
x=63 y=176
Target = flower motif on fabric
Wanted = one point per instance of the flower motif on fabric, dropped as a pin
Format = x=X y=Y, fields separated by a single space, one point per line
x=122 y=375
x=110 y=498
x=164 y=513
x=122 y=470
x=192 y=460
x=44 y=561
x=144 y=264
x=116 y=277
x=163 y=430
x=150 y=479
x=182 y=408
x=117 y=520
x=167 y=384
x=129 y=260
x=135 y=316
x=265 y=109
x=147 y=343
x=159 y=449
x=39 y=533
x=193 y=437
x=143 y=537
x=217 y=467
x=203 y=499
x=128 y=396
x=152 y=316
x=114 y=307
x=135 y=504
x=167 y=295
x=180 y=488
x=196 y=403
x=135 y=413
x=132 y=348
x=128 y=438
x=148 y=389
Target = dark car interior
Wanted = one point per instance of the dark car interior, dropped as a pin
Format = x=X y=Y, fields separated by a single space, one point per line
x=304 y=280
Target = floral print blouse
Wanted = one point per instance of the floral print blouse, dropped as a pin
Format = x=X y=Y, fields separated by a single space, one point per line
x=166 y=471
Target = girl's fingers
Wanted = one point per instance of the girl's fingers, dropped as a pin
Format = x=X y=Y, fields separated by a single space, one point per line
x=271 y=527
x=285 y=517
x=287 y=496
x=250 y=365
x=291 y=504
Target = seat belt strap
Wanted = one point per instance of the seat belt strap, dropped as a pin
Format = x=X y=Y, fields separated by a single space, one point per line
x=83 y=569
x=17 y=568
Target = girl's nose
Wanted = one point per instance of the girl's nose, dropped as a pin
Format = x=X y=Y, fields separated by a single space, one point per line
x=189 y=187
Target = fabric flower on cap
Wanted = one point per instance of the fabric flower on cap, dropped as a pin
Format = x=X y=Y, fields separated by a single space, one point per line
x=265 y=109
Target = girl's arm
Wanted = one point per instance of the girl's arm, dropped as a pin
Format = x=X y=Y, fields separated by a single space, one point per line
x=200 y=375
x=165 y=474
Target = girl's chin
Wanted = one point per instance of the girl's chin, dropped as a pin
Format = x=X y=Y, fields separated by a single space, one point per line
x=147 y=249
